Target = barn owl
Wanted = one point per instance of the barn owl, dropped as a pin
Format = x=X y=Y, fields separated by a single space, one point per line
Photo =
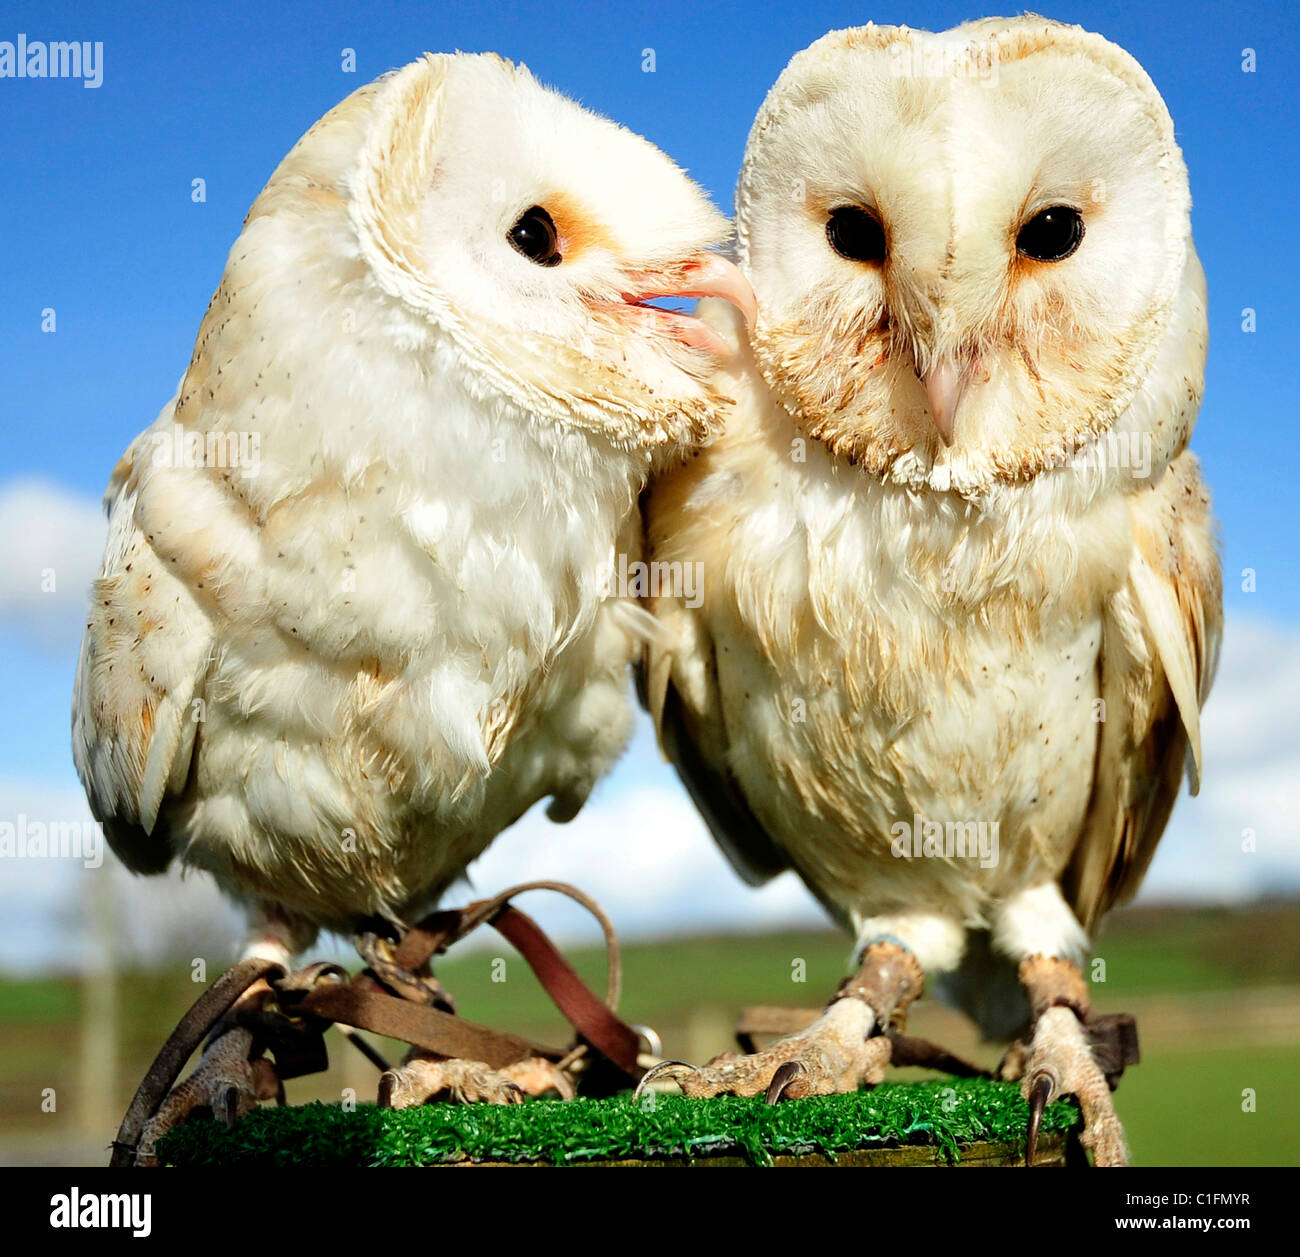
x=357 y=611
x=961 y=601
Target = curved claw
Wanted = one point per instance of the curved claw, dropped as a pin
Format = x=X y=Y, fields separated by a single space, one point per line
x=784 y=1076
x=1040 y=1091
x=227 y=1105
x=387 y=1085
x=654 y=1071
x=650 y=1038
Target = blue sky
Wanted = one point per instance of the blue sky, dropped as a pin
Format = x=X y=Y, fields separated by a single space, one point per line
x=98 y=223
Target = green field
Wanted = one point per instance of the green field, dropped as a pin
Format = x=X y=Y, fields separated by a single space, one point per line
x=1215 y=992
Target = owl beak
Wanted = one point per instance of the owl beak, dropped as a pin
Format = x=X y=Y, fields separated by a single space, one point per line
x=703 y=275
x=710 y=275
x=945 y=383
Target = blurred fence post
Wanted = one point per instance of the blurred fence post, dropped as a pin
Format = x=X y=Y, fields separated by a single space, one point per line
x=98 y=1108
x=710 y=1029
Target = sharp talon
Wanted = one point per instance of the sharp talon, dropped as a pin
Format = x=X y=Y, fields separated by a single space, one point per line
x=227 y=1105
x=654 y=1071
x=784 y=1076
x=1039 y=1091
x=520 y=1094
x=654 y=1045
x=387 y=1080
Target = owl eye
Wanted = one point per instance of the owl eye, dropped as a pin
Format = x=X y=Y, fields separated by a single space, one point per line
x=535 y=237
x=856 y=234
x=1051 y=235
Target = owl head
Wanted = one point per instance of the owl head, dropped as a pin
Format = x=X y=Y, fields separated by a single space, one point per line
x=490 y=230
x=968 y=249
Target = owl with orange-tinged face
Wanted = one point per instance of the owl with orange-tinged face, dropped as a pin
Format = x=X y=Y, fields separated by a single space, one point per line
x=331 y=674
x=961 y=596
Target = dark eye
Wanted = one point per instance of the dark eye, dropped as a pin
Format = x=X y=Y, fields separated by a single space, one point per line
x=1052 y=234
x=534 y=236
x=856 y=234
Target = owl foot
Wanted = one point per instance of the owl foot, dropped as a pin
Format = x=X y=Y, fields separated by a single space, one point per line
x=422 y=1078
x=225 y=1081
x=840 y=1051
x=845 y=1048
x=1060 y=1061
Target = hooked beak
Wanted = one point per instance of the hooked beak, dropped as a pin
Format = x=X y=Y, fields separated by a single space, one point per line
x=704 y=275
x=945 y=384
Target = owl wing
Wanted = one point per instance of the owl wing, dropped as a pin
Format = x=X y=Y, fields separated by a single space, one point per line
x=680 y=690
x=679 y=679
x=145 y=651
x=1160 y=645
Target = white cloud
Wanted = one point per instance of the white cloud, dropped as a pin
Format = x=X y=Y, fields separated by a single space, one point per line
x=642 y=851
x=53 y=909
x=1250 y=732
x=51 y=542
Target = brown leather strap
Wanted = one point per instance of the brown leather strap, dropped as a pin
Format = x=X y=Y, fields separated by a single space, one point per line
x=484 y=910
x=907 y=1049
x=427 y=937
x=595 y=1021
x=322 y=994
x=368 y=1007
x=1113 y=1038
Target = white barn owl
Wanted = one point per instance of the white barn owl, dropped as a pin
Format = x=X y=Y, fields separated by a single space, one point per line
x=357 y=611
x=961 y=595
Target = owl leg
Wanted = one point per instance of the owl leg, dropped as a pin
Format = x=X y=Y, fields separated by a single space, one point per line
x=1069 y=1052
x=845 y=1048
x=228 y=1080
x=1060 y=1059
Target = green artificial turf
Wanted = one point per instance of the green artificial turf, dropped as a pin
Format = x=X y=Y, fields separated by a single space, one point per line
x=945 y=1113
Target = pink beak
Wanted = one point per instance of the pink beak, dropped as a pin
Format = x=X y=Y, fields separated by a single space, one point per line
x=945 y=383
x=711 y=275
x=704 y=275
